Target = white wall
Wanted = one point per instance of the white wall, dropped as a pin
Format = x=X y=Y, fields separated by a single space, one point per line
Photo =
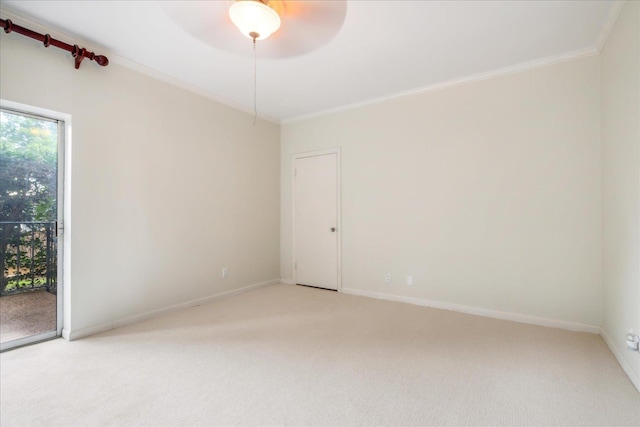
x=488 y=193
x=621 y=184
x=167 y=186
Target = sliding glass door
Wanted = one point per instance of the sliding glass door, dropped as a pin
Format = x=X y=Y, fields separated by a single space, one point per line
x=31 y=165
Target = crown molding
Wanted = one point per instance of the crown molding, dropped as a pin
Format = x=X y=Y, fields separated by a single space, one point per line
x=131 y=65
x=525 y=66
x=142 y=69
x=173 y=81
x=610 y=21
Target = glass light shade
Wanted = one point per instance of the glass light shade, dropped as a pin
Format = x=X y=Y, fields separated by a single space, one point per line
x=253 y=16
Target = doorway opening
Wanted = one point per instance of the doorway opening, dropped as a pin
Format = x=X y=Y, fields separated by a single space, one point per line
x=31 y=202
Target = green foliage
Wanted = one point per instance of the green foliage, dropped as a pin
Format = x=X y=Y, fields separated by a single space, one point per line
x=28 y=161
x=28 y=189
x=25 y=283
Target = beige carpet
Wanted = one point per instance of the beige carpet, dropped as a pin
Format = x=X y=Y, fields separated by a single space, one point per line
x=26 y=314
x=289 y=355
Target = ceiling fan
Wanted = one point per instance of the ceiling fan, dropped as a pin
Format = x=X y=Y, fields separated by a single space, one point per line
x=304 y=25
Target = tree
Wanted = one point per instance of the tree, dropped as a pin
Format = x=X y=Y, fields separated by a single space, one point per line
x=28 y=178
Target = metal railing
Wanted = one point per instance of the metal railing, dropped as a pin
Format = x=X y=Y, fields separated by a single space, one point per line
x=28 y=254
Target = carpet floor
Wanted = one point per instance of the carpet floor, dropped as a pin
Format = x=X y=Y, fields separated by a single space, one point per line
x=289 y=355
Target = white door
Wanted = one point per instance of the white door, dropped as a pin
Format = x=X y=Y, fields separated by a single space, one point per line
x=316 y=221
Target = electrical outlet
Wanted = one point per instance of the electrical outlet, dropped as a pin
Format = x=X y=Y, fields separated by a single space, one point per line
x=387 y=278
x=409 y=280
x=225 y=272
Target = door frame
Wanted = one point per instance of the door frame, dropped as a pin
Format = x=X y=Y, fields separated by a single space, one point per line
x=63 y=215
x=317 y=153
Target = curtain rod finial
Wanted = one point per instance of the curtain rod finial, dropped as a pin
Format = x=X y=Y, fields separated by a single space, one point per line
x=102 y=60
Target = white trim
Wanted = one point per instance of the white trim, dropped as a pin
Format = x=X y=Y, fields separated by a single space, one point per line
x=287 y=281
x=65 y=334
x=131 y=65
x=316 y=153
x=31 y=339
x=173 y=81
x=68 y=223
x=31 y=109
x=91 y=330
x=550 y=60
x=515 y=317
x=85 y=332
x=628 y=369
x=63 y=129
x=610 y=21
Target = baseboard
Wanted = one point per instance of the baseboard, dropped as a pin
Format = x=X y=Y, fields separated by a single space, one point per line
x=628 y=369
x=287 y=281
x=515 y=317
x=92 y=330
x=71 y=335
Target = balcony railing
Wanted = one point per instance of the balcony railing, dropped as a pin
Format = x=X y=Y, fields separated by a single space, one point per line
x=28 y=254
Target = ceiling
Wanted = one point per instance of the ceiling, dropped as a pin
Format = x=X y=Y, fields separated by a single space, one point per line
x=367 y=50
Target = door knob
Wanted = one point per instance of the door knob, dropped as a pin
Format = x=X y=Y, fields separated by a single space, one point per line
x=333 y=229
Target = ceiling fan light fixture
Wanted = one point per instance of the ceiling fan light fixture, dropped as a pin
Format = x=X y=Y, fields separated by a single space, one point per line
x=254 y=18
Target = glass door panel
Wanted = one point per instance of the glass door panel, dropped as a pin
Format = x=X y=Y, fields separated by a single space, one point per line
x=29 y=201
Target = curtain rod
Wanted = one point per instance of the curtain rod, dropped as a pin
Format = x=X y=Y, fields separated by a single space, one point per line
x=78 y=53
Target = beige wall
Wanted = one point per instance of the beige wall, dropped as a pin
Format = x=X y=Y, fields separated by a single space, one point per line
x=488 y=193
x=167 y=186
x=621 y=184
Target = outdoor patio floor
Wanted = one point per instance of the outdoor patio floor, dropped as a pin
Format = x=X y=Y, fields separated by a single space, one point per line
x=26 y=314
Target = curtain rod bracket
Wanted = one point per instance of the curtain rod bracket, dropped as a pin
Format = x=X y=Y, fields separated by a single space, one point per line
x=77 y=52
